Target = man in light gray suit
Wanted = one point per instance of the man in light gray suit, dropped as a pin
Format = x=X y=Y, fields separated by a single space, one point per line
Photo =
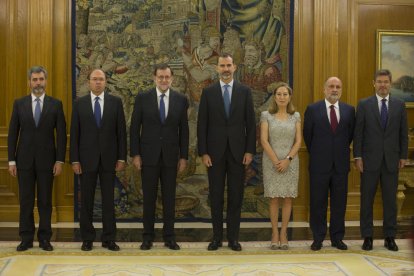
x=380 y=150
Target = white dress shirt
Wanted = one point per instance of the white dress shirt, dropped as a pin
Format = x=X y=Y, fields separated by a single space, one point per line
x=328 y=110
x=379 y=99
x=101 y=102
x=34 y=102
x=230 y=88
x=166 y=100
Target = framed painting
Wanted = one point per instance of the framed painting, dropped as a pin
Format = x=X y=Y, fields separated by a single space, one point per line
x=395 y=52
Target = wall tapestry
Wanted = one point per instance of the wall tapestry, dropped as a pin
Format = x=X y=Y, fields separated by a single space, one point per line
x=126 y=38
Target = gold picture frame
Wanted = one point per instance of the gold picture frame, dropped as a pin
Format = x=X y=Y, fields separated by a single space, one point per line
x=395 y=52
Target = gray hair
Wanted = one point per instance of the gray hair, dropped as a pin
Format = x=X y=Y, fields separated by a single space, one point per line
x=36 y=69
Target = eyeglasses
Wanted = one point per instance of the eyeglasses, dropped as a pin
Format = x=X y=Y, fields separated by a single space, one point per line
x=167 y=78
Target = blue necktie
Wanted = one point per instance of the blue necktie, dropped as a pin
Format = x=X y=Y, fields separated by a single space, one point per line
x=226 y=98
x=384 y=113
x=37 y=111
x=97 y=112
x=162 y=109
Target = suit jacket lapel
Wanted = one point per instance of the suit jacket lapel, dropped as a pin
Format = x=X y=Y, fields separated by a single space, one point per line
x=324 y=115
x=106 y=108
x=88 y=103
x=234 y=102
x=375 y=110
x=171 y=104
x=219 y=96
x=45 y=109
x=28 y=109
x=153 y=105
x=342 y=116
x=392 y=110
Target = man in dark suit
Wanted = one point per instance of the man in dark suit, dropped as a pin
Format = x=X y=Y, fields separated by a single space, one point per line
x=328 y=131
x=97 y=149
x=380 y=150
x=159 y=147
x=226 y=133
x=36 y=155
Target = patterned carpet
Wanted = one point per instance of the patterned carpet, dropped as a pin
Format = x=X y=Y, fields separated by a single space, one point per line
x=193 y=259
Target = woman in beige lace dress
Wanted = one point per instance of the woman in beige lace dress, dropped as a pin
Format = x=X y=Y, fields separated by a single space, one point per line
x=281 y=139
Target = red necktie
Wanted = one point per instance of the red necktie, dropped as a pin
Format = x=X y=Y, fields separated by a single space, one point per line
x=334 y=119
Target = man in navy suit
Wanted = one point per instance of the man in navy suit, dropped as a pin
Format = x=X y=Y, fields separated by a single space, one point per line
x=380 y=150
x=159 y=147
x=226 y=132
x=97 y=149
x=36 y=155
x=328 y=131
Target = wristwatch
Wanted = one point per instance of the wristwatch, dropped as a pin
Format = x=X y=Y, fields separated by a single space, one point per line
x=288 y=157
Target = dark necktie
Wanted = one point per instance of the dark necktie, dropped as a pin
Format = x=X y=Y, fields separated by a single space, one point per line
x=37 y=111
x=384 y=113
x=226 y=98
x=334 y=119
x=97 y=112
x=162 y=109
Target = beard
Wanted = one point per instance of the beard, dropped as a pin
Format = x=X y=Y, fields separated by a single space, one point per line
x=334 y=98
x=38 y=90
x=225 y=75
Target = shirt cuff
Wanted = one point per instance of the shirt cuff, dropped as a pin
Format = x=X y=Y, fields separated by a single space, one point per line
x=12 y=163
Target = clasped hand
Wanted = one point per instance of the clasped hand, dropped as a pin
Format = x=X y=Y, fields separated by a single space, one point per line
x=281 y=165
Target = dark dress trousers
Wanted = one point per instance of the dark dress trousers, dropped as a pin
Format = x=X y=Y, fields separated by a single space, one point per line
x=329 y=165
x=35 y=151
x=226 y=141
x=380 y=150
x=97 y=149
x=160 y=146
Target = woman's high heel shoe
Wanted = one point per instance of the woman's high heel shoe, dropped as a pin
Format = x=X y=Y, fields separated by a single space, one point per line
x=274 y=245
x=284 y=246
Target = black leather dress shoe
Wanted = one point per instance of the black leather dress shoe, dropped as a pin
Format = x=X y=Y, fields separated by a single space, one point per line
x=214 y=245
x=367 y=245
x=235 y=246
x=339 y=244
x=390 y=244
x=87 y=245
x=111 y=245
x=172 y=245
x=316 y=245
x=24 y=245
x=146 y=245
x=45 y=245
